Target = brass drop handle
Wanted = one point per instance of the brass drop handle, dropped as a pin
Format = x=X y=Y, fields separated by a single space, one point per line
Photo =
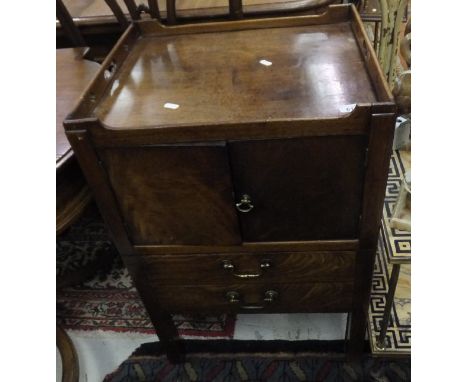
x=270 y=296
x=234 y=297
x=245 y=205
x=229 y=266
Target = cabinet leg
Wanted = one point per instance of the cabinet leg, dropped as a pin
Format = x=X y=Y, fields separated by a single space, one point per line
x=175 y=351
x=357 y=332
x=358 y=316
x=169 y=337
x=388 y=305
x=162 y=321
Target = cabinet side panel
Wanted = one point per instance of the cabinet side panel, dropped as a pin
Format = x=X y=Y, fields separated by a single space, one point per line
x=380 y=147
x=174 y=194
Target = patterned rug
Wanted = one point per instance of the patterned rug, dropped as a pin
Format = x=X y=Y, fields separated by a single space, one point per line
x=148 y=363
x=392 y=243
x=109 y=301
x=82 y=243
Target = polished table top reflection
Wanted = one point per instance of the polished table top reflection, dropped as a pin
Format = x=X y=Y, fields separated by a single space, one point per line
x=239 y=76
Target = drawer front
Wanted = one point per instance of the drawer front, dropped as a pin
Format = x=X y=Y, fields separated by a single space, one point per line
x=246 y=267
x=255 y=298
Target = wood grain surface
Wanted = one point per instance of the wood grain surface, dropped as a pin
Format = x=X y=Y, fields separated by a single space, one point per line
x=174 y=194
x=298 y=298
x=208 y=268
x=218 y=78
x=168 y=179
x=252 y=247
x=72 y=195
x=301 y=189
x=69 y=358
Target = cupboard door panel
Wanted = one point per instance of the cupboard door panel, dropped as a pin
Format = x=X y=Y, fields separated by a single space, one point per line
x=299 y=189
x=174 y=194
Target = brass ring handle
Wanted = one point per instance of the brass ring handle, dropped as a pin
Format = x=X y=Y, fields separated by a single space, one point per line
x=270 y=296
x=234 y=297
x=229 y=266
x=245 y=205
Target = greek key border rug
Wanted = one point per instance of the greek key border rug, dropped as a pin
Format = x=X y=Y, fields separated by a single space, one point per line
x=398 y=338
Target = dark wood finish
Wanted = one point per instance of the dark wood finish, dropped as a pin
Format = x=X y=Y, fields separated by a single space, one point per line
x=160 y=317
x=174 y=194
x=301 y=189
x=378 y=157
x=132 y=9
x=309 y=101
x=104 y=196
x=355 y=123
x=72 y=195
x=70 y=366
x=66 y=21
x=380 y=147
x=154 y=9
x=297 y=298
x=166 y=184
x=250 y=91
x=72 y=192
x=235 y=9
x=118 y=13
x=300 y=266
x=277 y=246
x=95 y=90
x=171 y=13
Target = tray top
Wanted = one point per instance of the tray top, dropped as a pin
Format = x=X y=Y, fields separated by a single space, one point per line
x=238 y=76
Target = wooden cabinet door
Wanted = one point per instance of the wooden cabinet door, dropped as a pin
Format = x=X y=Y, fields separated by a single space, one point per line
x=174 y=194
x=300 y=189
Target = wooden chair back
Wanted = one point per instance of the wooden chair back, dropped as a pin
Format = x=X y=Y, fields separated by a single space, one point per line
x=152 y=8
x=236 y=9
x=68 y=26
x=72 y=32
x=135 y=10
